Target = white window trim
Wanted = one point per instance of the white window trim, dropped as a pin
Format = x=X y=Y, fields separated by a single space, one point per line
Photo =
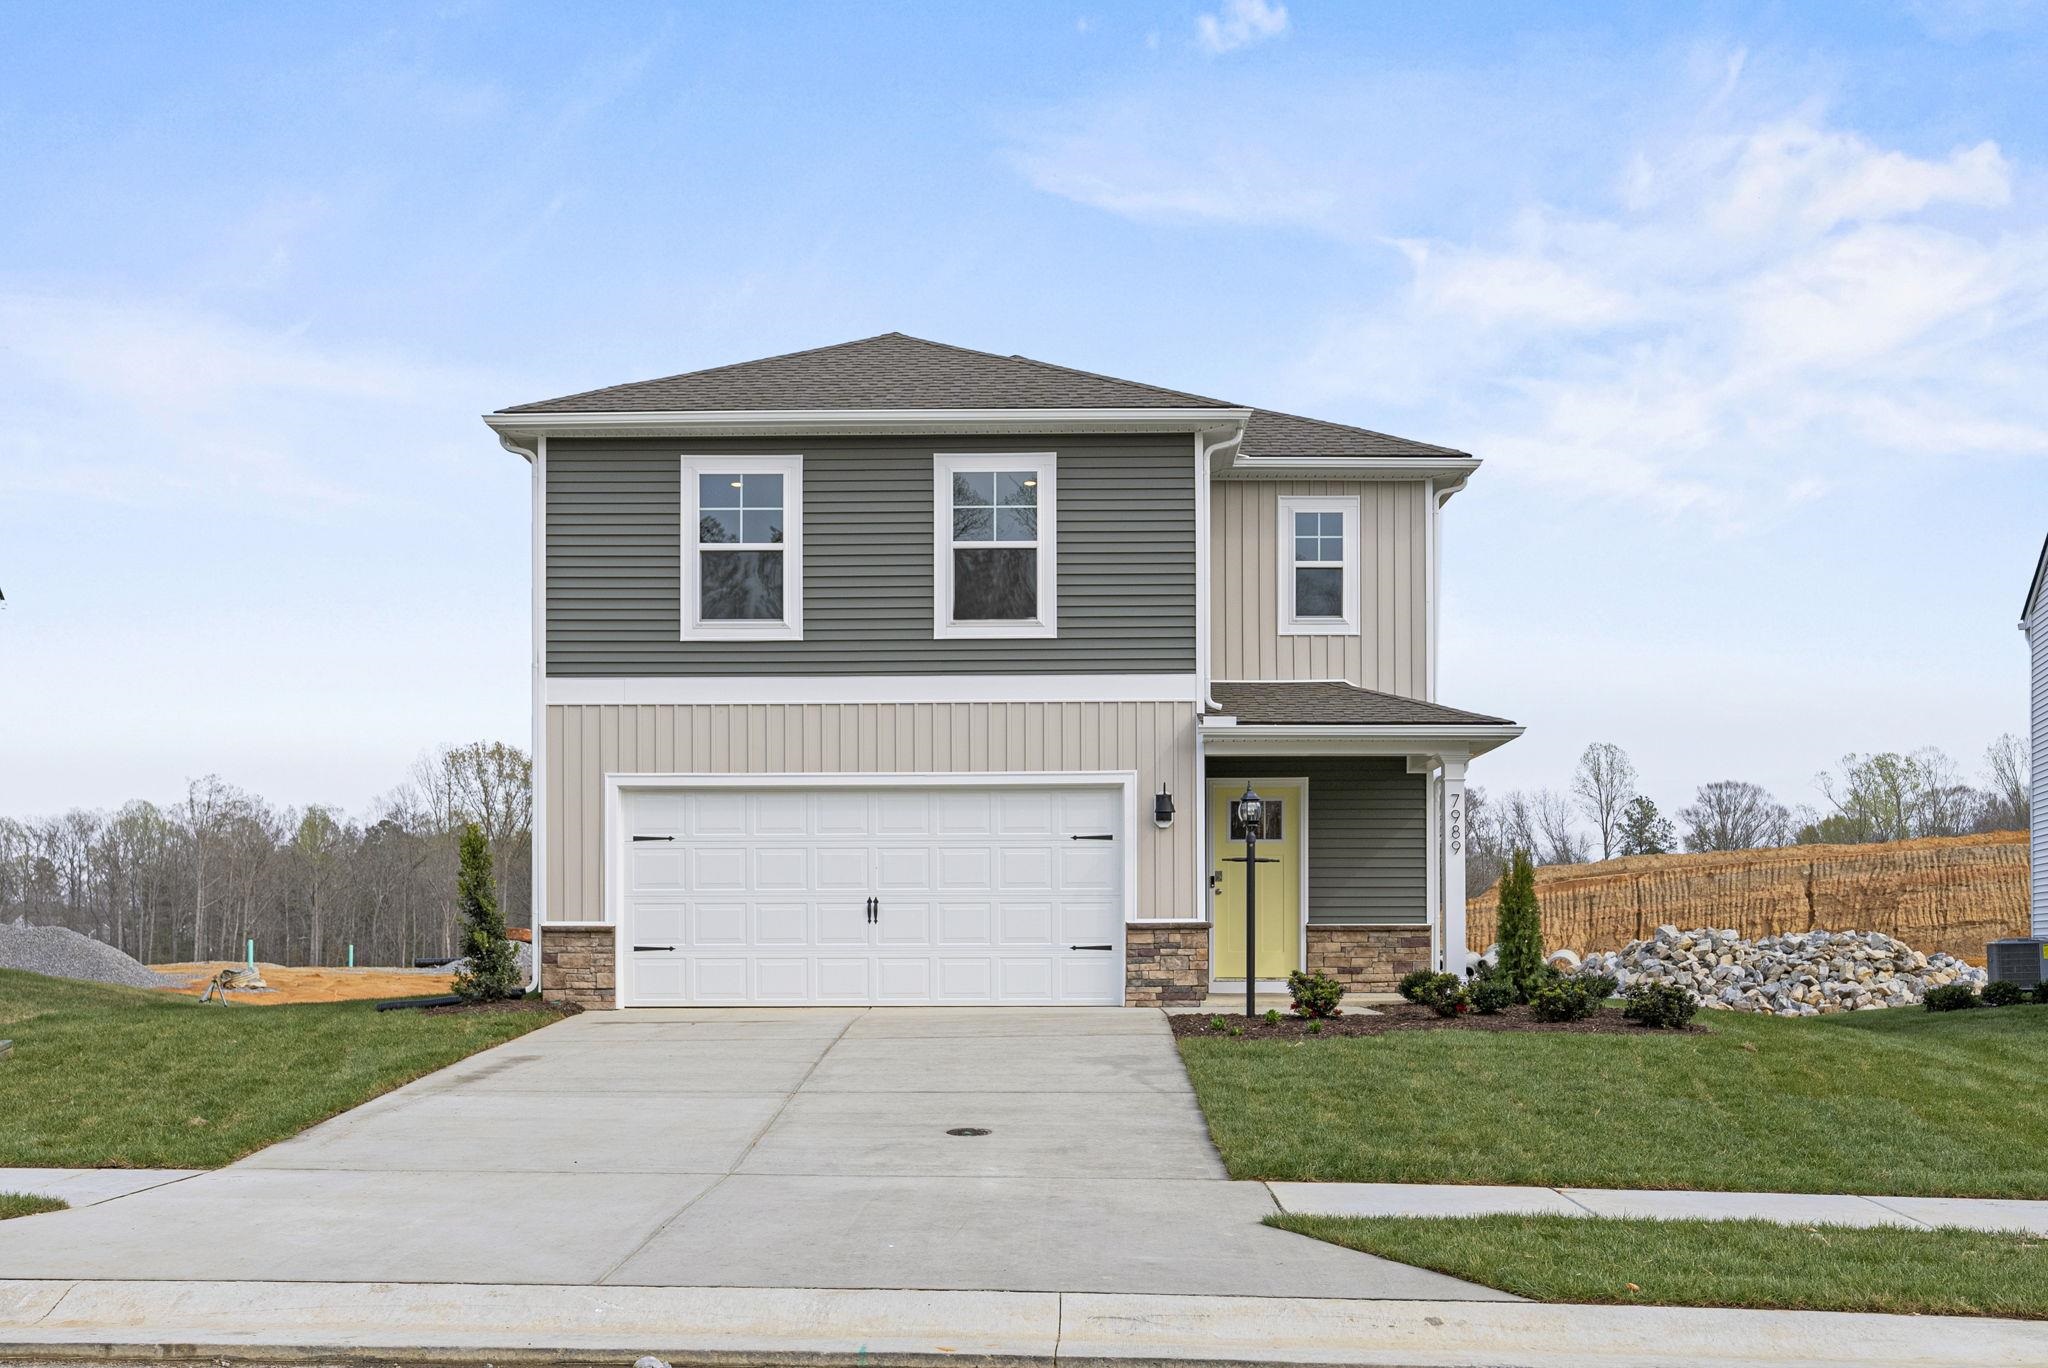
x=1346 y=504
x=1046 y=466
x=791 y=627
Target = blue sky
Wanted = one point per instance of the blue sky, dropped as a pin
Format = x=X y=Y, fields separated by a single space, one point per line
x=1745 y=304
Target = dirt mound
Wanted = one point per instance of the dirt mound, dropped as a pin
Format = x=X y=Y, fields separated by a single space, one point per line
x=315 y=984
x=60 y=952
x=1947 y=893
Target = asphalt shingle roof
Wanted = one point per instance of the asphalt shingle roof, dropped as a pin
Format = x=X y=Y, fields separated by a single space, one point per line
x=895 y=371
x=1325 y=703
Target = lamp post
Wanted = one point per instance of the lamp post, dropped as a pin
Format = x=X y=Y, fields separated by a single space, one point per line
x=1251 y=810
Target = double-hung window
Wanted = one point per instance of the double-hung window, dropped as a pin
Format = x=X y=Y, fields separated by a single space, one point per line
x=994 y=542
x=743 y=569
x=1319 y=565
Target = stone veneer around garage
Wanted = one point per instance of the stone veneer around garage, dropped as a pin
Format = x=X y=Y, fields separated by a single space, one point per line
x=1166 y=963
x=1368 y=959
x=576 y=965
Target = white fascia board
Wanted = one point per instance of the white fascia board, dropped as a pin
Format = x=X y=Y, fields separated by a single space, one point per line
x=1447 y=468
x=1243 y=739
x=680 y=690
x=825 y=422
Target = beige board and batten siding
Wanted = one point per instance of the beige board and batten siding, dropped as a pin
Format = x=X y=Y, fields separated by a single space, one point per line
x=585 y=742
x=1391 y=651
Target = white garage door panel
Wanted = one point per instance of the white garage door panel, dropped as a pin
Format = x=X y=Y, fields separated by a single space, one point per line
x=983 y=893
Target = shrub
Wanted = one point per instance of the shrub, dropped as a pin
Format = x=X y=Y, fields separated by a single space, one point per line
x=1315 y=995
x=1665 y=1006
x=1950 y=997
x=2040 y=993
x=2001 y=993
x=1272 y=1016
x=490 y=967
x=1572 y=998
x=1217 y=1023
x=1442 y=994
x=1313 y=1028
x=1410 y=986
x=1520 y=927
x=1489 y=995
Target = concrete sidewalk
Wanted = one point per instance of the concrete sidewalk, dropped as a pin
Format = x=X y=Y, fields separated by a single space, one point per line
x=1787 y=1208
x=260 y=1323
x=88 y=1187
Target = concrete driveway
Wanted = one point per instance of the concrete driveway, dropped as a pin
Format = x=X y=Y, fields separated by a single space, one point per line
x=737 y=1148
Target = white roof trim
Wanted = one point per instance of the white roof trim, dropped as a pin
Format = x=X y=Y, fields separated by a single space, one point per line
x=1355 y=739
x=816 y=422
x=1458 y=468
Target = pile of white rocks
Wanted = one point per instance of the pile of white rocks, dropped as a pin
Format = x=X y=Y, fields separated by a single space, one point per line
x=1813 y=974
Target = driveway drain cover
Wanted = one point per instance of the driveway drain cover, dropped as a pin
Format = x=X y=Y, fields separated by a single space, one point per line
x=968 y=1130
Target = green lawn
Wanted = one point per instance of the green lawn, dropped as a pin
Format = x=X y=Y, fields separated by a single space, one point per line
x=27 y=1204
x=1902 y=1101
x=126 y=1078
x=1713 y=1263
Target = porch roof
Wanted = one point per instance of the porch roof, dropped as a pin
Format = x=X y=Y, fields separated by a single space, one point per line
x=1334 y=703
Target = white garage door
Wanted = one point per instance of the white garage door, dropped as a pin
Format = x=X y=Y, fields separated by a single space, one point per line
x=884 y=895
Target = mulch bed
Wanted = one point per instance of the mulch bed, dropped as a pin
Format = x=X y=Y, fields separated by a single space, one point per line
x=1406 y=1016
x=532 y=1004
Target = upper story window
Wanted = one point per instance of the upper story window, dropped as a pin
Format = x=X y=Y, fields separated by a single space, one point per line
x=994 y=541
x=1319 y=565
x=743 y=570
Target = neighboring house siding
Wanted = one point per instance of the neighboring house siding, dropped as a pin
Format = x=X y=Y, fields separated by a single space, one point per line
x=2037 y=637
x=1391 y=651
x=1368 y=834
x=587 y=742
x=1126 y=560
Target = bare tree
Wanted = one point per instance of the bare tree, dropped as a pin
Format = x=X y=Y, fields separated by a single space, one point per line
x=1603 y=784
x=1730 y=814
x=2009 y=770
x=1556 y=824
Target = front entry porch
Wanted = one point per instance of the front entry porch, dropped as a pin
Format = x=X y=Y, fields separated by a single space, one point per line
x=1363 y=823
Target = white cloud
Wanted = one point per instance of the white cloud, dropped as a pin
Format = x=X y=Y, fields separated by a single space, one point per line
x=1755 y=305
x=1240 y=23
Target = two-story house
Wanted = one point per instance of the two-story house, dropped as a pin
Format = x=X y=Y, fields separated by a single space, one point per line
x=894 y=672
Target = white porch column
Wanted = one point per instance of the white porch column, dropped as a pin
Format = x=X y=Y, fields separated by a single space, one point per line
x=1453 y=955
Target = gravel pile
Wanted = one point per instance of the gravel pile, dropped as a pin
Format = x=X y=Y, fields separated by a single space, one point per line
x=63 y=953
x=1814 y=974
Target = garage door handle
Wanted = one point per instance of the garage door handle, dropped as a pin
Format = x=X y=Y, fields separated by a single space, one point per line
x=654 y=838
x=1106 y=836
x=1091 y=947
x=654 y=947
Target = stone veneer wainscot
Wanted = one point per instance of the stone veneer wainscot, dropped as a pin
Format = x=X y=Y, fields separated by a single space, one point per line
x=1367 y=959
x=576 y=965
x=1166 y=963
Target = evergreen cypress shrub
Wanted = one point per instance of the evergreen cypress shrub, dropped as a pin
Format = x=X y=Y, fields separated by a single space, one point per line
x=1519 y=928
x=490 y=968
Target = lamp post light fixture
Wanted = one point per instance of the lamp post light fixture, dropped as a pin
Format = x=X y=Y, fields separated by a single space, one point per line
x=1251 y=811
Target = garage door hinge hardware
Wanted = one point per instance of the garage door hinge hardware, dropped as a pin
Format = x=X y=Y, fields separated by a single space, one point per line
x=1106 y=836
x=1091 y=947
x=654 y=838
x=654 y=947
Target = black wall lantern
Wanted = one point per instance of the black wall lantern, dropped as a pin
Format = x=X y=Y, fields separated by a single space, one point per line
x=1162 y=808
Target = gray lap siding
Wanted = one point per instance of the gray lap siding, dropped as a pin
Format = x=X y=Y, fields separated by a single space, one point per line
x=1368 y=834
x=1125 y=556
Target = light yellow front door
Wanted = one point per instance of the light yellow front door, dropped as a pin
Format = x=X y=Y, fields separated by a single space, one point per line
x=1279 y=928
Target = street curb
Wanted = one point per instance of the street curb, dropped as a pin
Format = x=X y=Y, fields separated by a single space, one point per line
x=249 y=1325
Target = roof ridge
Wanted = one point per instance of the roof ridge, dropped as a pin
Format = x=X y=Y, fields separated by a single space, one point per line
x=714 y=370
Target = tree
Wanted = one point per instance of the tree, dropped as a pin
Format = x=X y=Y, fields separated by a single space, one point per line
x=1518 y=926
x=1562 y=843
x=2009 y=806
x=1732 y=815
x=1643 y=830
x=1486 y=849
x=1894 y=797
x=1603 y=784
x=490 y=969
